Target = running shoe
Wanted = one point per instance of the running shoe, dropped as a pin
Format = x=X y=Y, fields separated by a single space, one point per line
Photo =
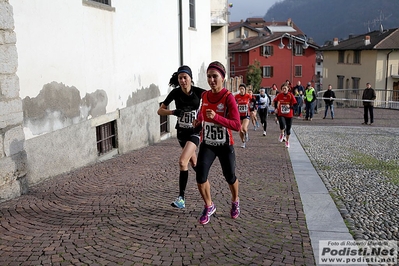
x=235 y=209
x=254 y=128
x=179 y=203
x=281 y=138
x=206 y=214
x=243 y=145
x=287 y=144
x=264 y=133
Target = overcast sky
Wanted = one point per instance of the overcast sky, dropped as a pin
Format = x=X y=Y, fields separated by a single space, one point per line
x=243 y=9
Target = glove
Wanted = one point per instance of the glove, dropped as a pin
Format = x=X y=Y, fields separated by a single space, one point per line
x=177 y=112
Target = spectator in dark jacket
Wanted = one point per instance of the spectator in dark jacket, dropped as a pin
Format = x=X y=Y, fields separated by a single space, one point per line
x=329 y=96
x=368 y=98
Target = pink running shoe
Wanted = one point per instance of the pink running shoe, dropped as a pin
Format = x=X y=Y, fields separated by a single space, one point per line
x=206 y=214
x=235 y=209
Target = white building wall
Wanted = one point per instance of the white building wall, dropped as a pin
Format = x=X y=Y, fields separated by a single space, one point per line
x=91 y=48
x=80 y=66
x=196 y=54
x=220 y=18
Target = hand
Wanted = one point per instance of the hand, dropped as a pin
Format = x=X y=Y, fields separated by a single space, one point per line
x=210 y=113
x=177 y=112
x=196 y=123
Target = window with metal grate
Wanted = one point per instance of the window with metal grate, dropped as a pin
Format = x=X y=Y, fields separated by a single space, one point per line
x=106 y=137
x=105 y=2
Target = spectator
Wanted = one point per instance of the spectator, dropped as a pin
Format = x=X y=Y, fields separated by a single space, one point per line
x=310 y=98
x=299 y=98
x=329 y=96
x=368 y=98
x=274 y=89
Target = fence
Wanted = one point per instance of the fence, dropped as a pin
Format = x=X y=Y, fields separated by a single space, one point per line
x=352 y=98
x=232 y=84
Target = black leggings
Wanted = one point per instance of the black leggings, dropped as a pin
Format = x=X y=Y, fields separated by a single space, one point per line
x=263 y=117
x=285 y=123
x=207 y=155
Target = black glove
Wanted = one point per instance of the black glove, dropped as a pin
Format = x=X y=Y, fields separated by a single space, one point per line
x=177 y=112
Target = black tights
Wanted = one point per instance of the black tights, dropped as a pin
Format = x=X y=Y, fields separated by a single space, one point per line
x=285 y=123
x=263 y=117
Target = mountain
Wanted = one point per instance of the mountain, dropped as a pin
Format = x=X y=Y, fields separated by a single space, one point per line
x=324 y=20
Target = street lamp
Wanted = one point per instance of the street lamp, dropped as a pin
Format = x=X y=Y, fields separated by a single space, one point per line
x=291 y=38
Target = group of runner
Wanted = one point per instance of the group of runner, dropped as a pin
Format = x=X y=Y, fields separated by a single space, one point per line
x=206 y=118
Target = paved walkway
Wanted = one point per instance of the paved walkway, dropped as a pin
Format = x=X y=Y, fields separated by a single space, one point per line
x=118 y=212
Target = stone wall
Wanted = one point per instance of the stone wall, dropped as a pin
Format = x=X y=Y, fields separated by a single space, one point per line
x=12 y=138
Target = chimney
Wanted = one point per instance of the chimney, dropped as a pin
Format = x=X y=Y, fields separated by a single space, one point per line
x=335 y=42
x=289 y=22
x=367 y=40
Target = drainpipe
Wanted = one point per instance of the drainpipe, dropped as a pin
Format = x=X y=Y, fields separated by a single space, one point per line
x=386 y=79
x=181 y=31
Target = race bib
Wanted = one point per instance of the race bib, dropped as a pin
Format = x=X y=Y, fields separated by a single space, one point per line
x=243 y=108
x=186 y=120
x=285 y=109
x=214 y=134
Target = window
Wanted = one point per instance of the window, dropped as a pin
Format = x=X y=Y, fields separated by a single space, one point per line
x=246 y=32
x=163 y=120
x=105 y=2
x=239 y=60
x=106 y=137
x=192 y=13
x=298 y=71
x=267 y=71
x=341 y=56
x=233 y=70
x=233 y=57
x=340 y=82
x=356 y=57
x=101 y=4
x=237 y=33
x=266 y=50
x=299 y=49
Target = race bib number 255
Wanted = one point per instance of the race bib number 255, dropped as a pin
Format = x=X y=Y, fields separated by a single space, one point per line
x=214 y=134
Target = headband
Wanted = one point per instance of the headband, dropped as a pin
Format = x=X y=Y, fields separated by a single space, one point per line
x=185 y=69
x=218 y=69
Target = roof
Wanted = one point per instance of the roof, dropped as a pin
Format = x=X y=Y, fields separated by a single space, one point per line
x=281 y=29
x=271 y=32
x=379 y=40
x=256 y=41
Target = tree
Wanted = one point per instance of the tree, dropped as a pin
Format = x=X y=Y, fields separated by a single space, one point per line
x=254 y=76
